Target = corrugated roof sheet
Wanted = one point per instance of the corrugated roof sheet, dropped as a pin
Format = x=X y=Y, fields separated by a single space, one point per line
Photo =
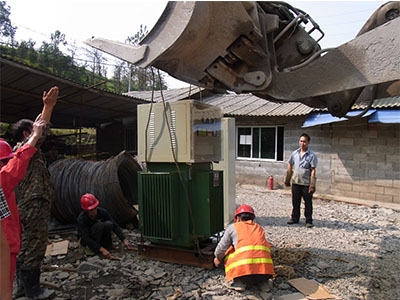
x=381 y=103
x=231 y=104
x=168 y=95
x=249 y=105
x=387 y=116
x=21 y=92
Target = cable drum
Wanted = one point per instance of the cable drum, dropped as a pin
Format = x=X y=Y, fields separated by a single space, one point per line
x=112 y=181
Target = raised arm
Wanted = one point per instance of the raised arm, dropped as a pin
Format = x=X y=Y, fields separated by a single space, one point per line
x=49 y=101
x=38 y=127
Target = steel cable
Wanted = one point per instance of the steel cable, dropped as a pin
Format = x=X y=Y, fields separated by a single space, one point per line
x=112 y=181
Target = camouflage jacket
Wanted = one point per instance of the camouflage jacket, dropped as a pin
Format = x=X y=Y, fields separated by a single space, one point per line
x=36 y=182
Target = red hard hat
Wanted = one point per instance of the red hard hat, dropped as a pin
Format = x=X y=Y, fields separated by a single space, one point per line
x=5 y=150
x=89 y=202
x=244 y=208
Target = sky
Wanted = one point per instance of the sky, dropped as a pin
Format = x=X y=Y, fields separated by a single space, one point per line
x=117 y=19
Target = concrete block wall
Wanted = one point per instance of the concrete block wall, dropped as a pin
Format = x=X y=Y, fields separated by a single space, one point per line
x=355 y=160
x=365 y=161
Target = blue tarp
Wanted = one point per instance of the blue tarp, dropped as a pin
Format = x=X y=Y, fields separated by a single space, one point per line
x=321 y=118
x=388 y=116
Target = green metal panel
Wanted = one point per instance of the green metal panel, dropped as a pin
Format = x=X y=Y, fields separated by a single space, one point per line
x=162 y=216
x=207 y=202
x=156 y=205
x=178 y=207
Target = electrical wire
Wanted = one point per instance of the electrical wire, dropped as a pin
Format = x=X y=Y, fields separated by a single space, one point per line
x=173 y=149
x=171 y=132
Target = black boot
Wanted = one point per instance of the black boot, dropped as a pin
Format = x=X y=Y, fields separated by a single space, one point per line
x=31 y=279
x=20 y=290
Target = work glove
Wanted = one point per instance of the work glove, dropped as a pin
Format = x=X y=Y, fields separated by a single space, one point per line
x=311 y=188
x=288 y=178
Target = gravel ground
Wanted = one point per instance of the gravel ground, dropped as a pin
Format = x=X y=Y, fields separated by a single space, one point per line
x=352 y=251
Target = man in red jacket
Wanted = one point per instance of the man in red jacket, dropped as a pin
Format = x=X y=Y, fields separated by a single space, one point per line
x=245 y=252
x=12 y=169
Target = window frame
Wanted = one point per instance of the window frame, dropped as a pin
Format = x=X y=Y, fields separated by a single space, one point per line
x=279 y=138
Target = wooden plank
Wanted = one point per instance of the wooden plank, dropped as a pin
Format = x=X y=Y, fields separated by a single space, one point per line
x=311 y=288
x=57 y=248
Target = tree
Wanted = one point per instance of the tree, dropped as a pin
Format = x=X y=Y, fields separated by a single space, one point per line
x=26 y=51
x=73 y=49
x=120 y=77
x=132 y=78
x=97 y=65
x=58 y=40
x=90 y=71
x=7 y=31
x=50 y=55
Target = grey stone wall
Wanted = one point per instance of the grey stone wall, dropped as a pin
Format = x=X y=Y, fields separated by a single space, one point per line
x=356 y=160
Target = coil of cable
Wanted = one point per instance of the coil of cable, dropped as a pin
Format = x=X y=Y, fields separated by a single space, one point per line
x=112 y=181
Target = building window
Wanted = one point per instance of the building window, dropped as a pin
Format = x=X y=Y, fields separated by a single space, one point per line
x=260 y=143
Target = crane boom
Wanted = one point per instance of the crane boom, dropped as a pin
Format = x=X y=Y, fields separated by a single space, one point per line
x=264 y=48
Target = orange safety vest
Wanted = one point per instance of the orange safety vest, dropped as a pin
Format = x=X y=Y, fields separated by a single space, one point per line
x=252 y=254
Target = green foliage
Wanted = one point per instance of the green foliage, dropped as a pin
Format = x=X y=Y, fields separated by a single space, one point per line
x=74 y=136
x=7 y=31
x=141 y=79
x=6 y=131
x=52 y=60
x=91 y=71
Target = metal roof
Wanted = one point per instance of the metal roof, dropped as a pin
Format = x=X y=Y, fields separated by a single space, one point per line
x=231 y=104
x=389 y=102
x=388 y=116
x=191 y=92
x=78 y=105
x=250 y=105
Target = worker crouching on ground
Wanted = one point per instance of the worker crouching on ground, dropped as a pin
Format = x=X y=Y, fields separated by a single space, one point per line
x=246 y=252
x=95 y=227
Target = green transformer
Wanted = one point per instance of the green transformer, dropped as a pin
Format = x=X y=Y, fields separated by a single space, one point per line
x=180 y=195
x=180 y=205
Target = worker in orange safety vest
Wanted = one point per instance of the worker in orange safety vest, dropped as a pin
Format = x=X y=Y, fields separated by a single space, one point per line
x=246 y=252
